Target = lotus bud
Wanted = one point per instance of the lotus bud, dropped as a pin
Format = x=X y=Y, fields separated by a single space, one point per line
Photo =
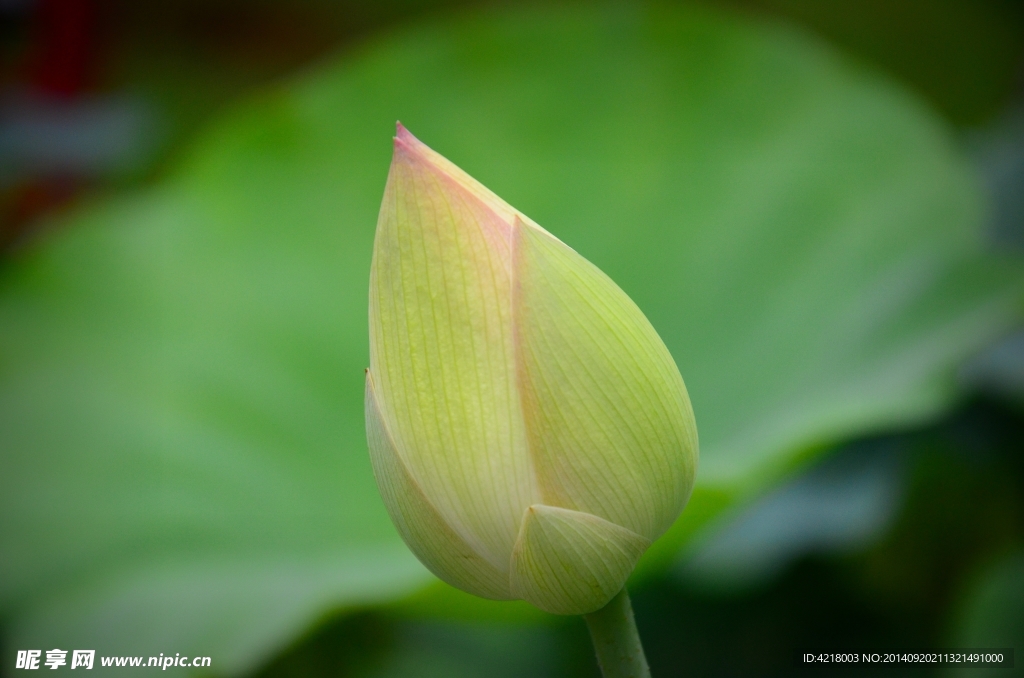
x=529 y=431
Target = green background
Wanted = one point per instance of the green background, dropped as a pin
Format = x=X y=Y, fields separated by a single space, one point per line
x=184 y=462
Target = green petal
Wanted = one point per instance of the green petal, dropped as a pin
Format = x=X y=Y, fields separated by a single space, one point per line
x=438 y=546
x=568 y=562
x=441 y=350
x=609 y=422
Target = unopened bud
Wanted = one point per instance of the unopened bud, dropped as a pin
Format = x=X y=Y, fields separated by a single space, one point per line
x=529 y=431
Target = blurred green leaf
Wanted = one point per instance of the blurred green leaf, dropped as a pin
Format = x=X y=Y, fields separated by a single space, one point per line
x=993 y=611
x=965 y=56
x=184 y=466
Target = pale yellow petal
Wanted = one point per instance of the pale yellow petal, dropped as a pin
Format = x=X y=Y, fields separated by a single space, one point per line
x=441 y=350
x=438 y=546
x=609 y=422
x=567 y=562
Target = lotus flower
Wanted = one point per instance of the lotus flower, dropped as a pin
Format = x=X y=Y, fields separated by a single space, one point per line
x=529 y=431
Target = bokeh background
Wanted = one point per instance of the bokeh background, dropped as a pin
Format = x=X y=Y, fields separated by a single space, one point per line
x=820 y=206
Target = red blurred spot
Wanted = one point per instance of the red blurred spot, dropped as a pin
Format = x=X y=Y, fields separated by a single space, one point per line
x=23 y=204
x=65 y=46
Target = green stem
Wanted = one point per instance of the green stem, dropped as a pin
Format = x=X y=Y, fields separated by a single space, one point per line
x=616 y=640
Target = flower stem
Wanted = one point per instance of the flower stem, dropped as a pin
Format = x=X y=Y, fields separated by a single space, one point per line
x=616 y=640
